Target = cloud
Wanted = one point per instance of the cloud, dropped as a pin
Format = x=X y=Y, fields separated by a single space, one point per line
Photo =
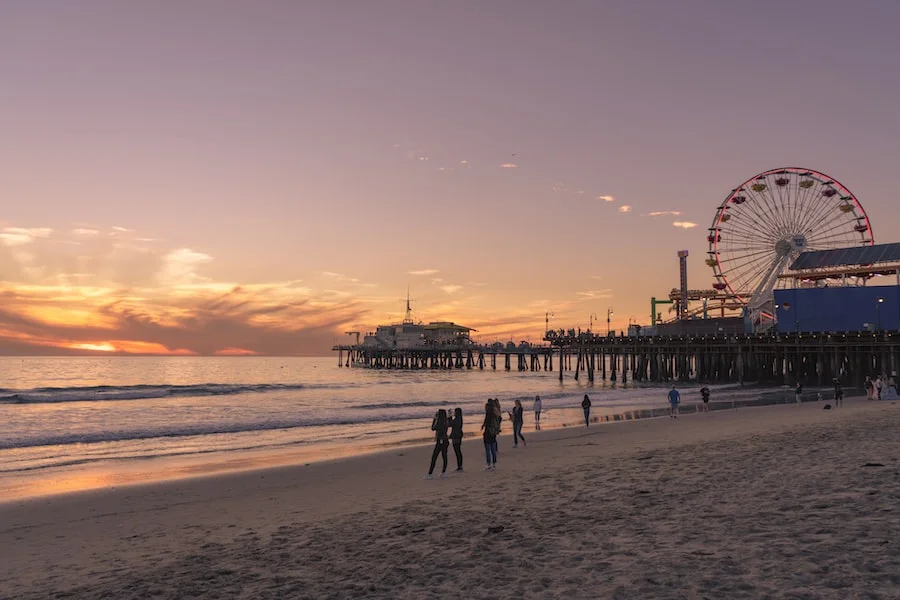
x=625 y=208
x=18 y=236
x=452 y=289
x=437 y=280
x=110 y=295
x=122 y=229
x=607 y=198
x=594 y=294
x=509 y=166
x=684 y=224
x=663 y=213
x=179 y=266
x=85 y=231
x=464 y=164
x=559 y=186
x=424 y=272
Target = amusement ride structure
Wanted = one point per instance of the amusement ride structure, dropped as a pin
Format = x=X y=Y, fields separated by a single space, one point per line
x=765 y=223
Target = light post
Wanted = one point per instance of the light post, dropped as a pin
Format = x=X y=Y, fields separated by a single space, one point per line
x=609 y=313
x=547 y=316
x=878 y=302
x=593 y=318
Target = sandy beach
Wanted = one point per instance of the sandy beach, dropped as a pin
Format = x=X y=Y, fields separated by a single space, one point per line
x=770 y=502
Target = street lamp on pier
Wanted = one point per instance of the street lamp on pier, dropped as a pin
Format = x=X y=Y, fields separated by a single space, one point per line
x=593 y=318
x=609 y=313
x=547 y=316
x=878 y=302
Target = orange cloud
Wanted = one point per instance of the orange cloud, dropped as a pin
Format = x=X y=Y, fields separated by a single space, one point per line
x=235 y=352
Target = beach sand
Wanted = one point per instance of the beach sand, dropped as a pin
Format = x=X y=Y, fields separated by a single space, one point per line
x=770 y=502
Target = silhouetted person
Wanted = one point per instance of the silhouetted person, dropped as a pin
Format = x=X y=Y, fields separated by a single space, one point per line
x=586 y=406
x=491 y=427
x=439 y=426
x=456 y=436
x=538 y=405
x=838 y=394
x=518 y=419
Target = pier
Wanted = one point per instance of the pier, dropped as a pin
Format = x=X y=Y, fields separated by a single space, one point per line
x=776 y=358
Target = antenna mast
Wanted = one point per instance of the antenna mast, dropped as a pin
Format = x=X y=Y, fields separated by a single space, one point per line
x=408 y=319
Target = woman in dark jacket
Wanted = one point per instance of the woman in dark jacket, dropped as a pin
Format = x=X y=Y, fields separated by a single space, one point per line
x=491 y=427
x=586 y=406
x=456 y=436
x=439 y=426
x=518 y=419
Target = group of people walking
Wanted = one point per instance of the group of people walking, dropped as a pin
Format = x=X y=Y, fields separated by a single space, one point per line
x=881 y=388
x=449 y=429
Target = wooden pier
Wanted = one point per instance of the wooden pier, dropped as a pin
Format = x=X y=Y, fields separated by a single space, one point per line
x=767 y=358
x=817 y=358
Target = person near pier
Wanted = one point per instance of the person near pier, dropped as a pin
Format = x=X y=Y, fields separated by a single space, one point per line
x=439 y=426
x=879 y=385
x=838 y=394
x=586 y=407
x=674 y=401
x=797 y=392
x=456 y=436
x=491 y=427
x=538 y=405
x=704 y=393
x=870 y=388
x=518 y=419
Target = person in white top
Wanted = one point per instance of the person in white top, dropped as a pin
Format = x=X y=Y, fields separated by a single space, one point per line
x=537 y=412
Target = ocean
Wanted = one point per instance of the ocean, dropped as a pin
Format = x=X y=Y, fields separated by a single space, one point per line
x=81 y=423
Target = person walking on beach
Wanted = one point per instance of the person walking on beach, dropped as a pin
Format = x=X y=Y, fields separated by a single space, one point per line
x=797 y=391
x=870 y=387
x=490 y=427
x=586 y=406
x=838 y=394
x=456 y=436
x=704 y=392
x=439 y=426
x=674 y=400
x=518 y=419
x=879 y=384
x=537 y=412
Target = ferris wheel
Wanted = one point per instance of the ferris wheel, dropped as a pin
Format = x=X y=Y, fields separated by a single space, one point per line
x=767 y=221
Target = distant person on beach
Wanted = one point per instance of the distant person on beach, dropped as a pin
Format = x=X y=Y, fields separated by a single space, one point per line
x=797 y=391
x=674 y=401
x=538 y=405
x=456 y=436
x=704 y=392
x=838 y=394
x=491 y=427
x=439 y=426
x=586 y=406
x=879 y=384
x=517 y=416
x=870 y=388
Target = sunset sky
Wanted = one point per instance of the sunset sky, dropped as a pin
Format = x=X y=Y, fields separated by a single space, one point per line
x=212 y=176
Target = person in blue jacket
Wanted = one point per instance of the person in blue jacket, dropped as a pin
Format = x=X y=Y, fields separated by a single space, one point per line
x=674 y=401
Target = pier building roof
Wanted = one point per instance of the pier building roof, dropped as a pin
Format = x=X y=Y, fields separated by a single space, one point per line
x=843 y=257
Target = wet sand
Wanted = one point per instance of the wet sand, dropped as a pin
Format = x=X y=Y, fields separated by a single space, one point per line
x=760 y=502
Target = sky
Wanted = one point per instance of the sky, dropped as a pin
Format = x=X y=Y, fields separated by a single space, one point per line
x=221 y=177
